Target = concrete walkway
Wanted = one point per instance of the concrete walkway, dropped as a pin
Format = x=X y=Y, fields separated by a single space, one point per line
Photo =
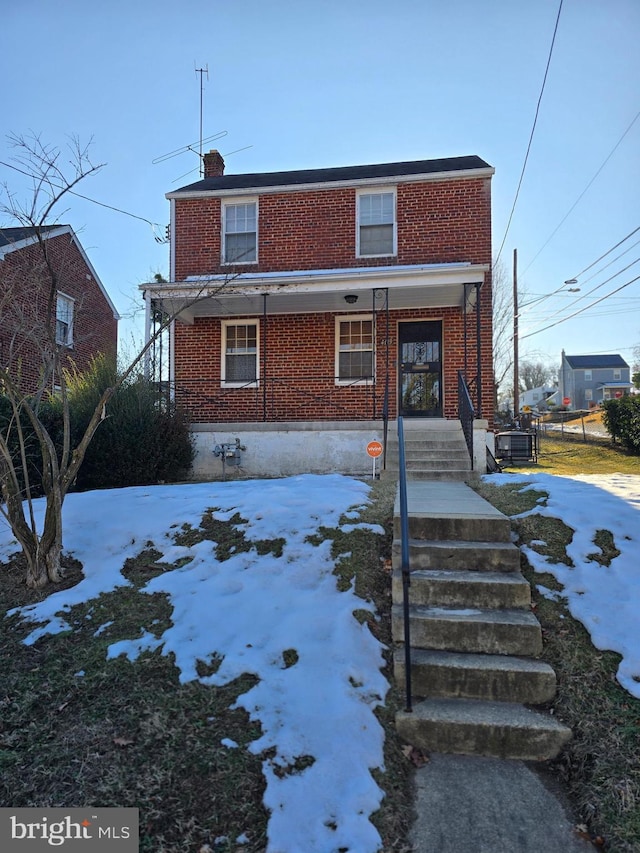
x=470 y=804
x=467 y=804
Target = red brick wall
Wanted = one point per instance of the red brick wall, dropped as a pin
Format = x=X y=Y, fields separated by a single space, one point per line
x=24 y=289
x=300 y=369
x=438 y=222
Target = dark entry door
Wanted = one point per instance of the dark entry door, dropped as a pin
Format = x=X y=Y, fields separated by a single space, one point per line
x=420 y=346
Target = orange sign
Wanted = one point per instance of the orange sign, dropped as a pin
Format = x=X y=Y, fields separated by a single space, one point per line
x=374 y=449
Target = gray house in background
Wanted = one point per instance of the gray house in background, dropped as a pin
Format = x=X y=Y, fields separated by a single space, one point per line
x=586 y=380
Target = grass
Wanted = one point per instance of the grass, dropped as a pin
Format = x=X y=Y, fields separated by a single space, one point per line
x=600 y=767
x=570 y=453
x=77 y=729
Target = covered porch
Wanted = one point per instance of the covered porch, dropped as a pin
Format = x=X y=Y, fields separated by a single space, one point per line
x=333 y=357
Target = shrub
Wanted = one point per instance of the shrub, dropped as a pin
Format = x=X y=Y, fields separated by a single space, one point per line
x=143 y=439
x=622 y=419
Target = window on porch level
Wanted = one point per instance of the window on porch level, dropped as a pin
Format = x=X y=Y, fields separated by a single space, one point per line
x=239 y=353
x=354 y=349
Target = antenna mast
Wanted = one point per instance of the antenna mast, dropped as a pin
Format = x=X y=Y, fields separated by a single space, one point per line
x=201 y=72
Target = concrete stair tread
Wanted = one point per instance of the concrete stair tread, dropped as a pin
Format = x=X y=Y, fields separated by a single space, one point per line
x=474 y=660
x=458 y=587
x=490 y=631
x=462 y=576
x=506 y=678
x=479 y=727
x=449 y=554
x=509 y=616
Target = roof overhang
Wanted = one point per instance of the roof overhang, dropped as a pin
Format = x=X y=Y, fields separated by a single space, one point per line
x=319 y=291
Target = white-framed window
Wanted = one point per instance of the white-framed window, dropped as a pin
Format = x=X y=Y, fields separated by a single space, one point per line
x=240 y=232
x=376 y=217
x=64 y=320
x=354 y=349
x=588 y=376
x=617 y=374
x=240 y=347
x=588 y=394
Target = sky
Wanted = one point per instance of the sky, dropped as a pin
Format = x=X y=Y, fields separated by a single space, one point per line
x=323 y=705
x=346 y=82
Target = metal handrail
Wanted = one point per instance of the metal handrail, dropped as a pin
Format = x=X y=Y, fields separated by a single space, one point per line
x=466 y=413
x=405 y=565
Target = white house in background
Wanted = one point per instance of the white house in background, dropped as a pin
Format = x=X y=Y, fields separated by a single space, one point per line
x=538 y=398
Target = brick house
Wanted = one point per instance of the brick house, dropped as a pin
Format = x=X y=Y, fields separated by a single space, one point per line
x=86 y=321
x=317 y=305
x=587 y=380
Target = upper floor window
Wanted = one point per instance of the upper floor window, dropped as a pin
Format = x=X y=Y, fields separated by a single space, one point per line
x=376 y=224
x=64 y=320
x=354 y=349
x=239 y=353
x=617 y=374
x=240 y=233
x=588 y=376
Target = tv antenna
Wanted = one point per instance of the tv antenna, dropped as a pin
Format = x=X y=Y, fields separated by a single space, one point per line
x=196 y=147
x=201 y=72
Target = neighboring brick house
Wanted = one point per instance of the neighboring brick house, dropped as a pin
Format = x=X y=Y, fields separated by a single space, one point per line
x=86 y=321
x=587 y=380
x=318 y=291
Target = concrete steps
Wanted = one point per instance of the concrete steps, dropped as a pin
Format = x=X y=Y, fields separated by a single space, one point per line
x=474 y=639
x=434 y=450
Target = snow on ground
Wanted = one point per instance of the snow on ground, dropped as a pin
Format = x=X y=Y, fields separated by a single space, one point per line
x=606 y=599
x=249 y=610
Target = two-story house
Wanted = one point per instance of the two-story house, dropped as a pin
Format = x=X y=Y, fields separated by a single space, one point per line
x=587 y=380
x=47 y=282
x=314 y=306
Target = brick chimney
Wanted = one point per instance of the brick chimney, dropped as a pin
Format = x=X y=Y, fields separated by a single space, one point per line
x=213 y=164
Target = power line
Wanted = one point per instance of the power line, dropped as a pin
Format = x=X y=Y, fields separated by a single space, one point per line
x=535 y=121
x=608 y=252
x=86 y=198
x=582 y=310
x=575 y=204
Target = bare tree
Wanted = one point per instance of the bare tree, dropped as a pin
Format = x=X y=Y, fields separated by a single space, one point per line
x=534 y=374
x=53 y=179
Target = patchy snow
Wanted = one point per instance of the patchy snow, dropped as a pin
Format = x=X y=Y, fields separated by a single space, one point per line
x=247 y=612
x=606 y=599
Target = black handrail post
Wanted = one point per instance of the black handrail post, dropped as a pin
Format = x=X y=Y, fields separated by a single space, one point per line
x=406 y=570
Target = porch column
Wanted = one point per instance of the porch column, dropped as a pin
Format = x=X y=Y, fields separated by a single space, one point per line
x=264 y=357
x=477 y=286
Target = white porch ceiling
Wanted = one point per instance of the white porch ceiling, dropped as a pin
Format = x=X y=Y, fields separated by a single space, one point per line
x=318 y=291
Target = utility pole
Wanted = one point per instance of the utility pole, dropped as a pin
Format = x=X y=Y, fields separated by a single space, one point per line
x=516 y=378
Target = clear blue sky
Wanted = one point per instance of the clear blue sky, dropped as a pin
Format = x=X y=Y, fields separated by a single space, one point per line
x=342 y=82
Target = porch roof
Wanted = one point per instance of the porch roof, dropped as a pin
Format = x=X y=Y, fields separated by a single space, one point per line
x=319 y=291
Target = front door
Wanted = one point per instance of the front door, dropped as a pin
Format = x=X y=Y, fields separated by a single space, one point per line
x=420 y=375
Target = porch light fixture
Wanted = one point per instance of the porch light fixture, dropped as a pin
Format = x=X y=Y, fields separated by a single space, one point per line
x=351 y=298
